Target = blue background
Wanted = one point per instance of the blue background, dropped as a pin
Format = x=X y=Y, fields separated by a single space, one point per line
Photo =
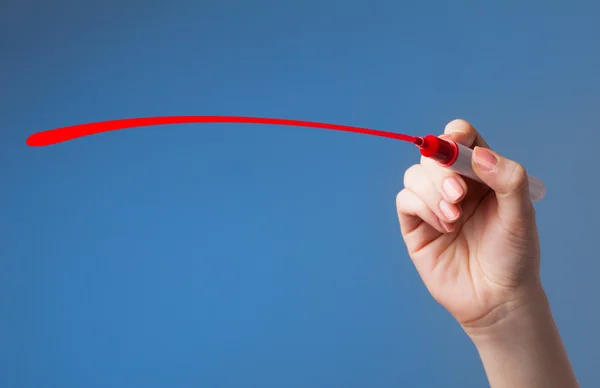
x=239 y=255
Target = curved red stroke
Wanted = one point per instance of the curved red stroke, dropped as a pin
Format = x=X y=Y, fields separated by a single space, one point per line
x=59 y=135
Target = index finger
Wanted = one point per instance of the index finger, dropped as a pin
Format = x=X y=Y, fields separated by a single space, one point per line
x=463 y=132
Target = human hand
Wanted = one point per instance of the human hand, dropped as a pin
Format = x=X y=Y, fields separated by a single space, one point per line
x=477 y=250
x=476 y=247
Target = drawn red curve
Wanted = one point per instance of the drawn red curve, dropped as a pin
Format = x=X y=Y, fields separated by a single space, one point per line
x=60 y=135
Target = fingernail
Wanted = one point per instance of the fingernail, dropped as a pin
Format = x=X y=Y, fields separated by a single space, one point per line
x=449 y=210
x=485 y=159
x=452 y=189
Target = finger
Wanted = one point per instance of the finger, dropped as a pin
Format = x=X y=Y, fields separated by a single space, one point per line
x=463 y=132
x=452 y=186
x=418 y=224
x=509 y=181
x=417 y=181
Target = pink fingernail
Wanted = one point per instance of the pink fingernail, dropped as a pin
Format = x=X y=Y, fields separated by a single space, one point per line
x=452 y=189
x=449 y=210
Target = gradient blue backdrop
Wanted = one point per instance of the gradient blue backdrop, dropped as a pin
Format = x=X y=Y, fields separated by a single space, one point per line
x=263 y=256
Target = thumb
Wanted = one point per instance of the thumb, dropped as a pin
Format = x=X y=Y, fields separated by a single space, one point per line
x=509 y=181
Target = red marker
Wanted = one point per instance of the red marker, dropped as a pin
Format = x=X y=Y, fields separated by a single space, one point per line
x=458 y=158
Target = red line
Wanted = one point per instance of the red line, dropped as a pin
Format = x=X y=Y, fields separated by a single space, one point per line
x=59 y=135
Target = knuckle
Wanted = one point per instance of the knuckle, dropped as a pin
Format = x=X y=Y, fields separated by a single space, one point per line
x=420 y=207
x=461 y=131
x=411 y=174
x=434 y=170
x=403 y=198
x=408 y=202
x=400 y=197
x=458 y=125
x=518 y=178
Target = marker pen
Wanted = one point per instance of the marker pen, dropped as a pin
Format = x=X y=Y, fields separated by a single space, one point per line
x=458 y=158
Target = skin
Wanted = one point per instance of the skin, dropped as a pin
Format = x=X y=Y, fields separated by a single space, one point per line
x=477 y=250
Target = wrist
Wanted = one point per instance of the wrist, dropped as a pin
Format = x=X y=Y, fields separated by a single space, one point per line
x=523 y=311
x=521 y=345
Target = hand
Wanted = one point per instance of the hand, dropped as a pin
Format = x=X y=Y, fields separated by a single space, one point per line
x=475 y=246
